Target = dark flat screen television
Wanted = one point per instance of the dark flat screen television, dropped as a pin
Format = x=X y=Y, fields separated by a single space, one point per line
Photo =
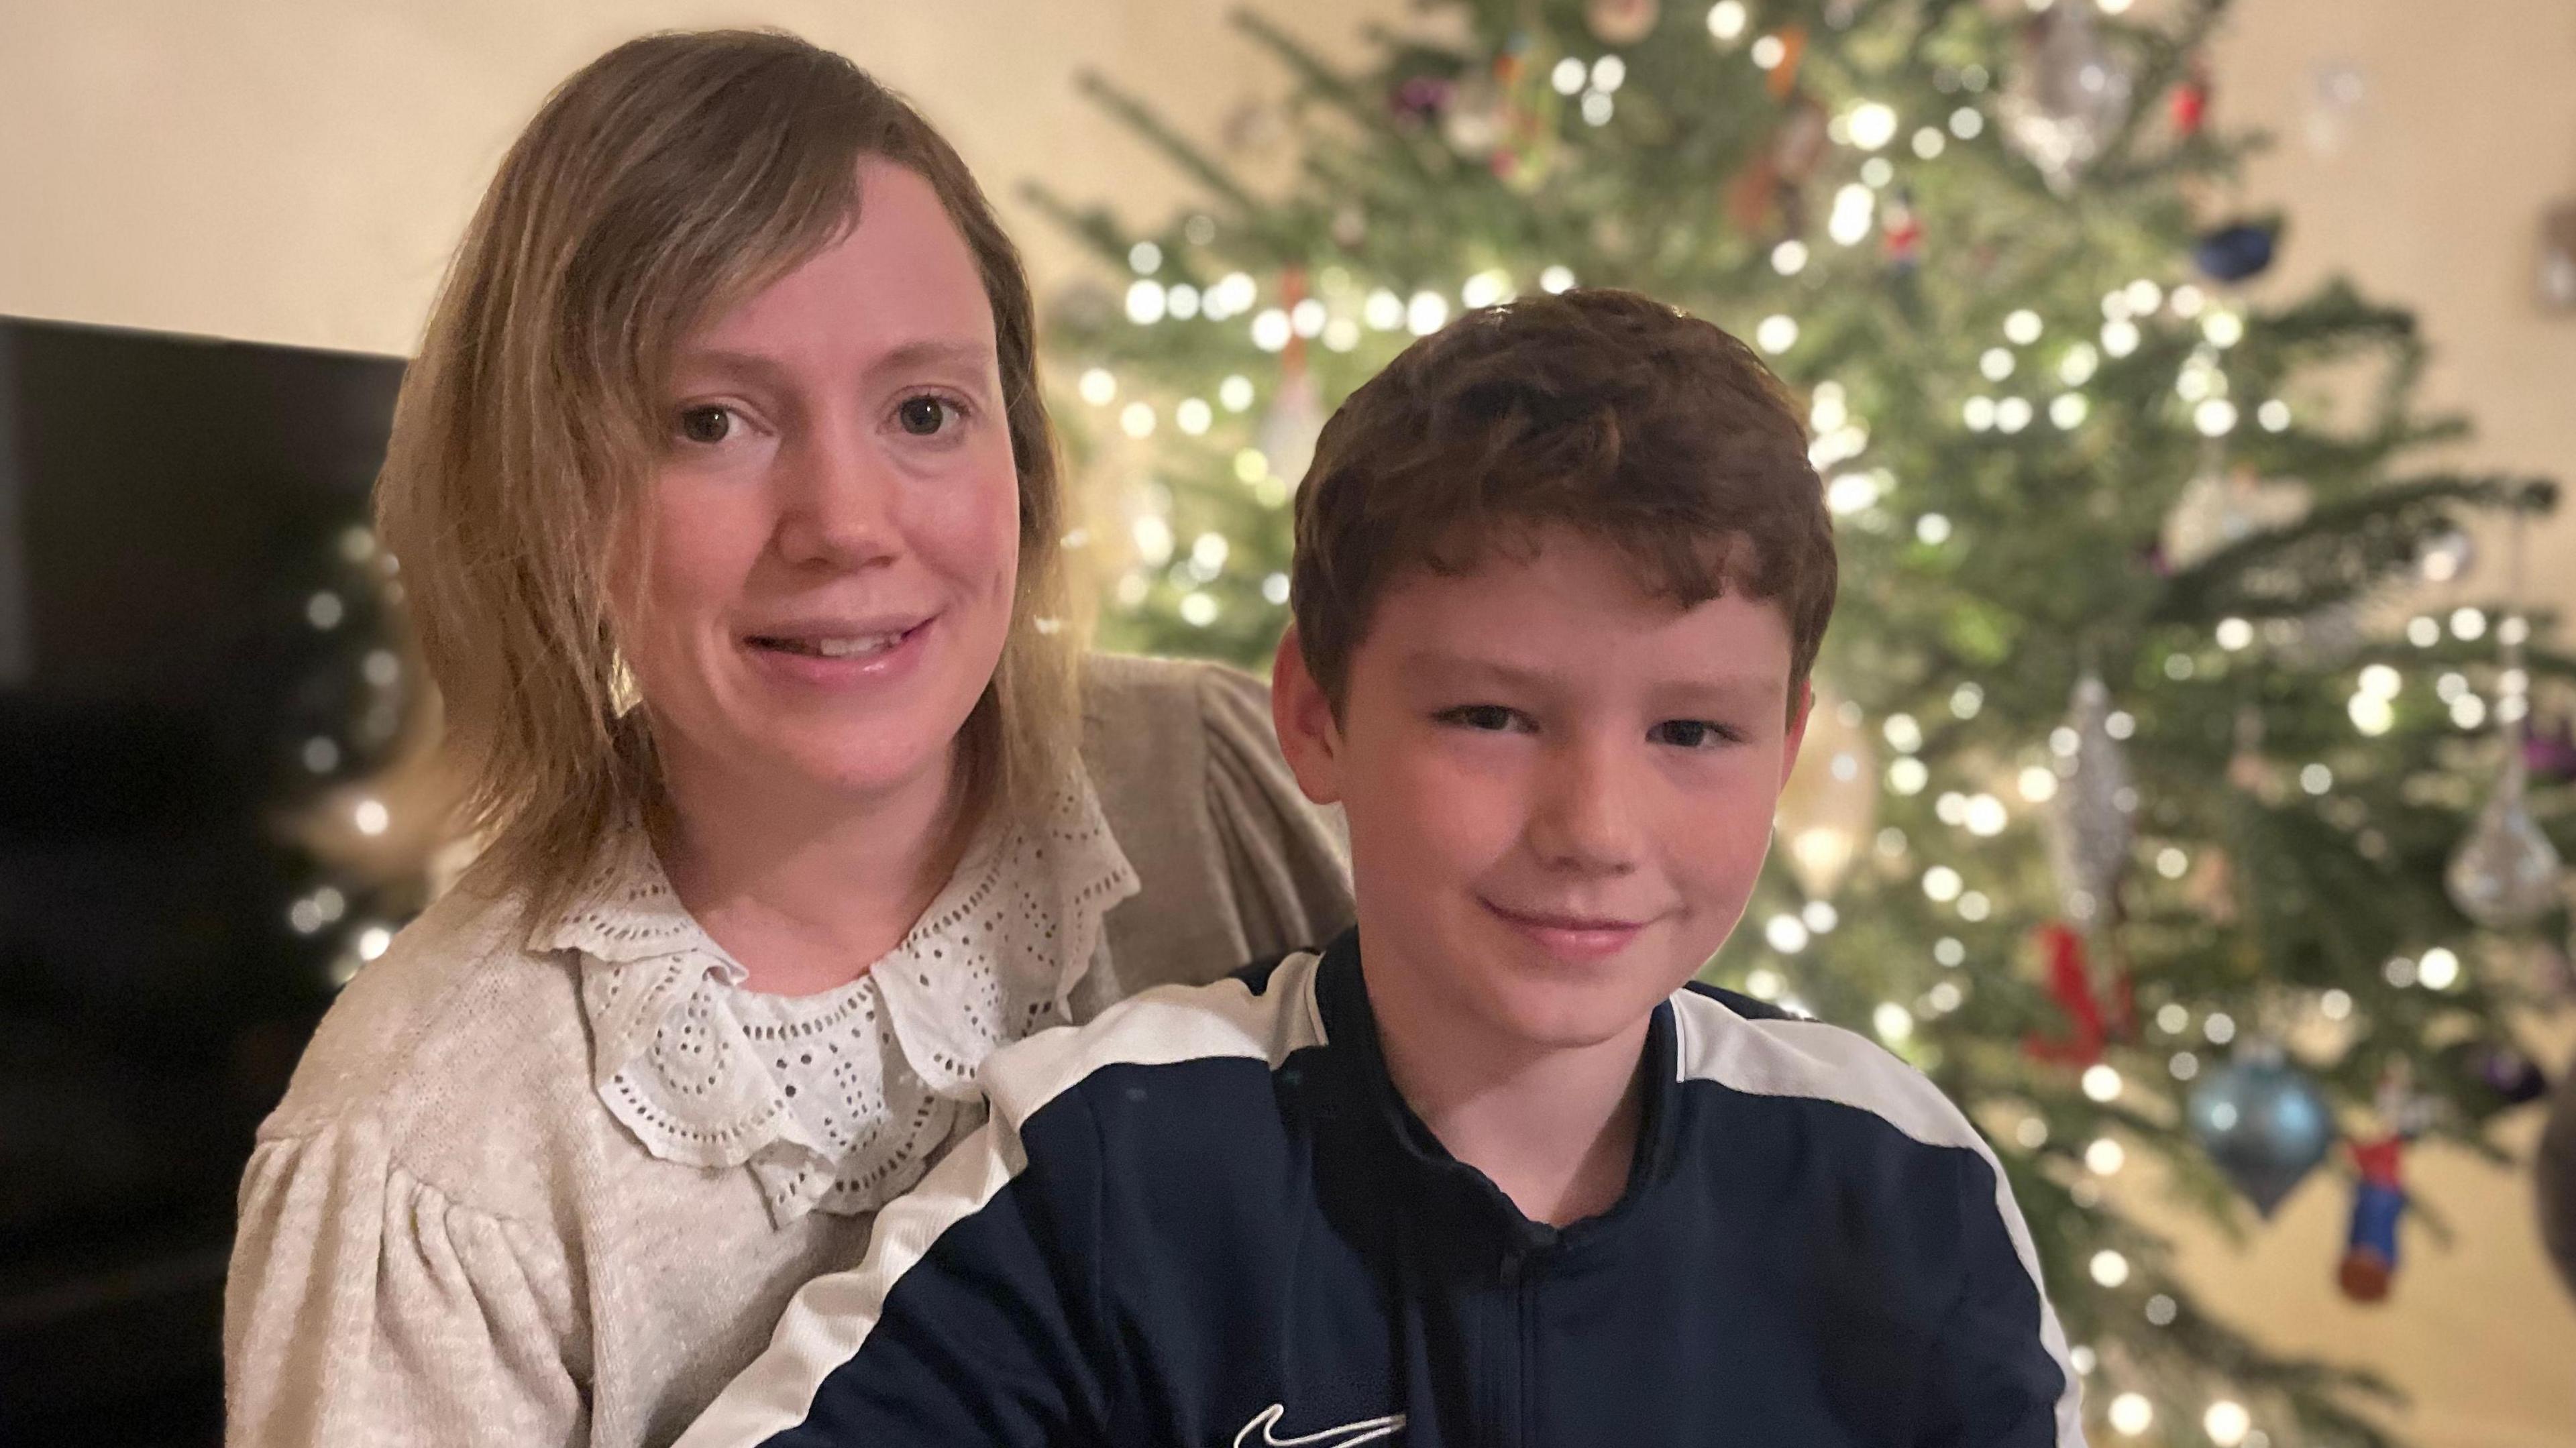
x=192 y=645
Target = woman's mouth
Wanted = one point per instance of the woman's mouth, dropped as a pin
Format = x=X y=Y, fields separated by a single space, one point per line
x=850 y=646
x=836 y=655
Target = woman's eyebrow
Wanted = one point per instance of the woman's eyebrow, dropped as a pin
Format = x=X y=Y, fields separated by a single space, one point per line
x=730 y=362
x=974 y=356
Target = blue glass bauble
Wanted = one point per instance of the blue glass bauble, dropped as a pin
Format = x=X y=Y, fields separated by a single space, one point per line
x=2265 y=1125
x=2233 y=253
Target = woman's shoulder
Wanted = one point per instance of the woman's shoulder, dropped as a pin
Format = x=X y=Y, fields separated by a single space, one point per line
x=1153 y=730
x=458 y=1028
x=1125 y=695
x=1235 y=863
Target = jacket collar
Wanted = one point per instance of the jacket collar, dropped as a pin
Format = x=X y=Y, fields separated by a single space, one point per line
x=1452 y=1195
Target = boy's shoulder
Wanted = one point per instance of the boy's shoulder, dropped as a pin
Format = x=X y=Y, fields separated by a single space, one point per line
x=1252 y=1020
x=1758 y=1050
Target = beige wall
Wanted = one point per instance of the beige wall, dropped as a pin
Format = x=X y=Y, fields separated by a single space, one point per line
x=296 y=170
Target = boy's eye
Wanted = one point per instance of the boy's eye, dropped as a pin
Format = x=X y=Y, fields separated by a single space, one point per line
x=1491 y=718
x=923 y=416
x=706 y=425
x=1691 y=734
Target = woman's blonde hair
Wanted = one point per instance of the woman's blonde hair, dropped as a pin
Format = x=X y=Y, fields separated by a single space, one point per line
x=664 y=181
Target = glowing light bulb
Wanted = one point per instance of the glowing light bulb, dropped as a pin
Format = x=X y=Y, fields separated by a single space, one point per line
x=1873 y=125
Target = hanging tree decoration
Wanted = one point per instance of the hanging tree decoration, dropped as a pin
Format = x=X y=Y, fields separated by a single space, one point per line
x=1902 y=232
x=2505 y=874
x=2089 y=833
x=2224 y=505
x=1621 y=22
x=2369 y=1264
x=2090 y=830
x=2263 y=1123
x=2549 y=751
x=2237 y=252
x=2067 y=96
x=1768 y=197
x=2378 y=1201
x=2189 y=104
x=1527 y=135
x=1295 y=419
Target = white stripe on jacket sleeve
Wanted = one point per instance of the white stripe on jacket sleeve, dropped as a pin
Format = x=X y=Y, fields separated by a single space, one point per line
x=1826 y=1063
x=831 y=1316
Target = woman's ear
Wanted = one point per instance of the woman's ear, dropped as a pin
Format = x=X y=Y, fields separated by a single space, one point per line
x=1308 y=734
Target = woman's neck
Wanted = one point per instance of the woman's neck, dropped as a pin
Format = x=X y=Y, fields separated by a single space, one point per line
x=804 y=887
x=1555 y=1128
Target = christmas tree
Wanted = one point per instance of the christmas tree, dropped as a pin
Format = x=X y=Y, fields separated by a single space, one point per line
x=2136 y=810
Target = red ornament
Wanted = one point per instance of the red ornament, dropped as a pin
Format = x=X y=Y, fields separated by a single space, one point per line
x=2189 y=104
x=2090 y=1021
x=1793 y=49
x=1903 y=234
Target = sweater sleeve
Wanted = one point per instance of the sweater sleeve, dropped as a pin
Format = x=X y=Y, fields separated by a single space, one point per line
x=363 y=1306
x=973 y=1318
x=1999 y=1375
x=1288 y=860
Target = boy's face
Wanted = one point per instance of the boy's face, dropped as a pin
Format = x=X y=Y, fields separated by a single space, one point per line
x=1559 y=787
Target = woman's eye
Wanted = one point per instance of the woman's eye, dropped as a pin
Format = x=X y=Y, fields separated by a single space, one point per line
x=706 y=425
x=1690 y=733
x=923 y=416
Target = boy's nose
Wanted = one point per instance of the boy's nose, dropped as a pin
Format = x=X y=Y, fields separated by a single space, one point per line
x=1585 y=814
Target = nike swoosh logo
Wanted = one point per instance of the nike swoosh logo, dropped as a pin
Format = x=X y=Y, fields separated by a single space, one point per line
x=1349 y=1435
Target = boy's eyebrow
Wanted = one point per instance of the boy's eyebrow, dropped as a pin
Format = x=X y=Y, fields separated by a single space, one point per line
x=1711 y=690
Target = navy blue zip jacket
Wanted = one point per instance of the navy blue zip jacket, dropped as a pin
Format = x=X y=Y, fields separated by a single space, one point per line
x=1207 y=1220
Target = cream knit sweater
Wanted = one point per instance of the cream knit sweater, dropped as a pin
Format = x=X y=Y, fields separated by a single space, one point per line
x=447 y=1238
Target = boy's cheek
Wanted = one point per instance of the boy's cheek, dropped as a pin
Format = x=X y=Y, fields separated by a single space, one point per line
x=1433 y=817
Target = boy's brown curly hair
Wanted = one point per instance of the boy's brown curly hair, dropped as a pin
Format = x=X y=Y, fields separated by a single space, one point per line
x=1598 y=410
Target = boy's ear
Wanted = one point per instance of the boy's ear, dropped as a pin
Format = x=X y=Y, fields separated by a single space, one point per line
x=1308 y=734
x=1797 y=735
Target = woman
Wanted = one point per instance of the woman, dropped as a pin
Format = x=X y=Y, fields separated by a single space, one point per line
x=728 y=515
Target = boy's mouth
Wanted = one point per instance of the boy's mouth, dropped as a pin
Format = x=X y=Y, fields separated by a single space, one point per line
x=1566 y=934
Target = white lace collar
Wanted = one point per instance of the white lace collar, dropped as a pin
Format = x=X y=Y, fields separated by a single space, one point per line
x=838 y=1101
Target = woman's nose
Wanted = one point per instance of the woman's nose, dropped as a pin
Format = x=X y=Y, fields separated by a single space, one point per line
x=837 y=500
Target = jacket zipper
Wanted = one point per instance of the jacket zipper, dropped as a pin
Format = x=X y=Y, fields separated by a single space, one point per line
x=1516 y=1420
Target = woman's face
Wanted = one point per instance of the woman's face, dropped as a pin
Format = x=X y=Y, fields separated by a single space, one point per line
x=834 y=526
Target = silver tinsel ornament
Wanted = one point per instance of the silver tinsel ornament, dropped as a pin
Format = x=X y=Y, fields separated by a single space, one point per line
x=2090 y=830
x=2505 y=874
x=2067 y=96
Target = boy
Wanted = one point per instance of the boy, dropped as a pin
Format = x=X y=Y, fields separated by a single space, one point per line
x=1561 y=571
